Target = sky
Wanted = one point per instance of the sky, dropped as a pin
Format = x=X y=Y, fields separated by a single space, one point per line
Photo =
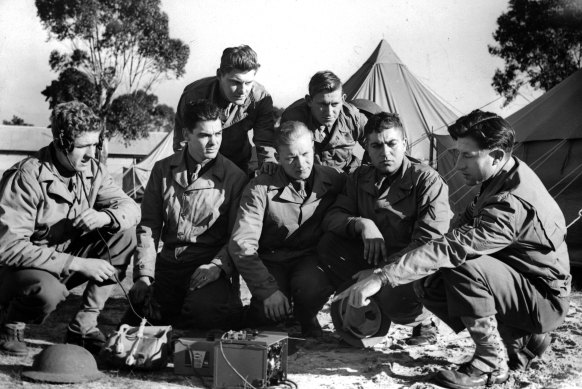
x=442 y=42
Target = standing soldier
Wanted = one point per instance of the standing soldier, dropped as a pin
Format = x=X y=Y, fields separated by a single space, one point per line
x=63 y=222
x=244 y=105
x=278 y=226
x=336 y=125
x=385 y=210
x=503 y=272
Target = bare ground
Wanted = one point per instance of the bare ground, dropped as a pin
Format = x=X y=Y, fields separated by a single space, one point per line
x=328 y=363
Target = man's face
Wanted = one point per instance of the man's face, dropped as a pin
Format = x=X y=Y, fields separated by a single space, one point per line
x=386 y=149
x=236 y=85
x=297 y=158
x=475 y=165
x=79 y=160
x=204 y=140
x=326 y=107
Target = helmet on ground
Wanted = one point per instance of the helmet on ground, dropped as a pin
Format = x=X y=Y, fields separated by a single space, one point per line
x=63 y=364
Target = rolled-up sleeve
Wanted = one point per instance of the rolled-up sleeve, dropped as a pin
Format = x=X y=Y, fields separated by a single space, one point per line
x=244 y=243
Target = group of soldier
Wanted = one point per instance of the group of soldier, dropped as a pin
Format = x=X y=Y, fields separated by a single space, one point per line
x=312 y=221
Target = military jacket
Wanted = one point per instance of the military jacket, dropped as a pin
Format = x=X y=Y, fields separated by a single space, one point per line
x=255 y=114
x=38 y=207
x=515 y=220
x=413 y=209
x=335 y=149
x=275 y=224
x=191 y=219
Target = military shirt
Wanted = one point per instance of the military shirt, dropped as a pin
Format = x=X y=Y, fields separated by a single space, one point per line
x=38 y=206
x=191 y=219
x=255 y=114
x=411 y=211
x=336 y=147
x=274 y=223
x=515 y=220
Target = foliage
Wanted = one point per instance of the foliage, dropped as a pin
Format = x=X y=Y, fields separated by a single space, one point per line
x=134 y=115
x=16 y=121
x=540 y=42
x=72 y=84
x=115 y=44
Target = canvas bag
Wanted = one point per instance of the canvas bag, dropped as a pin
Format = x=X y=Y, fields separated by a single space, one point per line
x=138 y=347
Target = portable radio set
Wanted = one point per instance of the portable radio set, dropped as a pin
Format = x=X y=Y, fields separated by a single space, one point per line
x=239 y=359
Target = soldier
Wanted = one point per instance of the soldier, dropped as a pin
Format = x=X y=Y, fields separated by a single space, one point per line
x=190 y=204
x=244 y=105
x=63 y=222
x=277 y=229
x=336 y=125
x=385 y=210
x=502 y=272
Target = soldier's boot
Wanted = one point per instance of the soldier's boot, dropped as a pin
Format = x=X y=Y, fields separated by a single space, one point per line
x=424 y=333
x=489 y=363
x=524 y=350
x=93 y=340
x=12 y=339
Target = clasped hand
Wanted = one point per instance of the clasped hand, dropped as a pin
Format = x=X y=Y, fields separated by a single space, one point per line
x=90 y=220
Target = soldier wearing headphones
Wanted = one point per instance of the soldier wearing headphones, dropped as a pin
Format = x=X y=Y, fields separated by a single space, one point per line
x=63 y=222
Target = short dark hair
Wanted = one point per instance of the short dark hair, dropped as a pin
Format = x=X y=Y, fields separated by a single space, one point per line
x=241 y=58
x=70 y=119
x=488 y=129
x=290 y=131
x=383 y=121
x=324 y=82
x=199 y=111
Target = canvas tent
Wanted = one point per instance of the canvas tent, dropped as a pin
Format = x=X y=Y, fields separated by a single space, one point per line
x=385 y=80
x=549 y=136
x=135 y=178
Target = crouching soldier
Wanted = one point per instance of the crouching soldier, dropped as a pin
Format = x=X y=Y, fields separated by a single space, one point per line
x=190 y=204
x=503 y=272
x=386 y=209
x=63 y=222
x=278 y=226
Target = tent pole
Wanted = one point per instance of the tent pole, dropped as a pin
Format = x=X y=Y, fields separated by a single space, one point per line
x=133 y=176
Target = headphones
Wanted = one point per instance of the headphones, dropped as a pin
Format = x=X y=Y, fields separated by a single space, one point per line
x=68 y=145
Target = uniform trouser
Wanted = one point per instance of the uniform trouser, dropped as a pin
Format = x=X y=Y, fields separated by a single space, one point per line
x=341 y=258
x=30 y=295
x=485 y=286
x=216 y=305
x=304 y=284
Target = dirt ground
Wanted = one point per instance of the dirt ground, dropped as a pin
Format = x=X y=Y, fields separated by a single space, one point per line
x=328 y=363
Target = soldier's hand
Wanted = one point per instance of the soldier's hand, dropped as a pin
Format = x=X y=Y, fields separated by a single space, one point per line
x=277 y=306
x=269 y=168
x=93 y=268
x=90 y=220
x=374 y=247
x=359 y=294
x=204 y=275
x=138 y=291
